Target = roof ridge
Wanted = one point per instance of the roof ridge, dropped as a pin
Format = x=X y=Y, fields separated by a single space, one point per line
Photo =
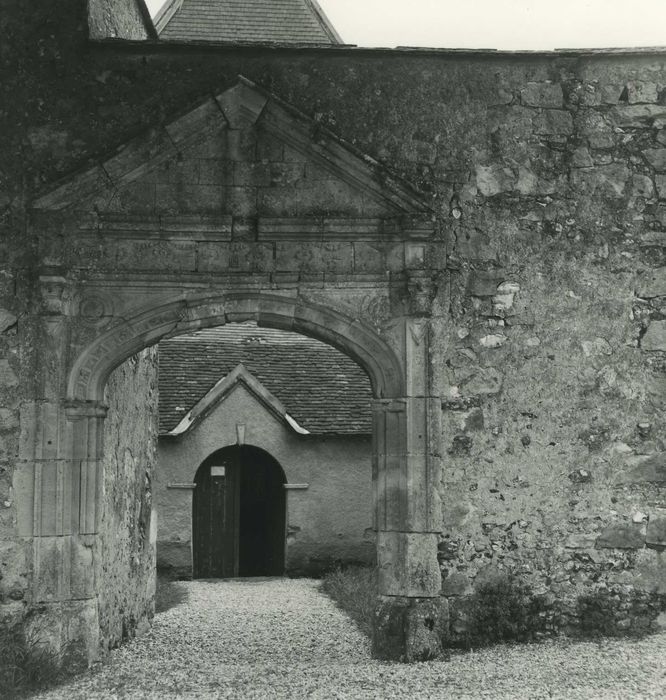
x=246 y=21
x=325 y=22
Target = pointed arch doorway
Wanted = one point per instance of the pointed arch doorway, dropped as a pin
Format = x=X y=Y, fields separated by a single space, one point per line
x=238 y=514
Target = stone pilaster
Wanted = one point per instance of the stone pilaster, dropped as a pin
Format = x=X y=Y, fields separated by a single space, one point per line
x=407 y=473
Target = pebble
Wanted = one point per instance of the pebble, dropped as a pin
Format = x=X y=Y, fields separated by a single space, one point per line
x=280 y=638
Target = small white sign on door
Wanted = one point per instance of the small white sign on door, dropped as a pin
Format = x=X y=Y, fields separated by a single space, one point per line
x=217 y=471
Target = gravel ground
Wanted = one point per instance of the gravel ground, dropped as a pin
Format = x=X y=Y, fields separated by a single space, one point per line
x=278 y=638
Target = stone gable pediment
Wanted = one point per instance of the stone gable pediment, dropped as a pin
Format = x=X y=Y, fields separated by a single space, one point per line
x=244 y=159
x=240 y=376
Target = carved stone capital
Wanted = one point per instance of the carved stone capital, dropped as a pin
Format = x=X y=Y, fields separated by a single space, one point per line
x=56 y=295
x=421 y=291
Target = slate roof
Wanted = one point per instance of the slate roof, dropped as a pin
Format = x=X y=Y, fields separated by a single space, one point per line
x=322 y=389
x=246 y=21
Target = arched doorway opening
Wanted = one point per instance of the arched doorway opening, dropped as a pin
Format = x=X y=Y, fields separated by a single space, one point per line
x=238 y=514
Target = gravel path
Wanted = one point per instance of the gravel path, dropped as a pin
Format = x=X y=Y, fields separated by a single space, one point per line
x=281 y=638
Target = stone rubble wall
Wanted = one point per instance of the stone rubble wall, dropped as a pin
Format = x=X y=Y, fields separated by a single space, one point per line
x=548 y=173
x=125 y=560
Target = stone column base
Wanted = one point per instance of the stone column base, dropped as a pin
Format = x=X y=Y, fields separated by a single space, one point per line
x=409 y=629
x=70 y=628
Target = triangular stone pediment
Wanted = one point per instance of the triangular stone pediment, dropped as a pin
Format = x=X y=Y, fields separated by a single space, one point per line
x=245 y=155
x=224 y=387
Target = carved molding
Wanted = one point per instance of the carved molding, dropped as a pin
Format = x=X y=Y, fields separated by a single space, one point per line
x=146 y=327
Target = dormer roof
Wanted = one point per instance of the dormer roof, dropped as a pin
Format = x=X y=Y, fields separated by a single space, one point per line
x=223 y=388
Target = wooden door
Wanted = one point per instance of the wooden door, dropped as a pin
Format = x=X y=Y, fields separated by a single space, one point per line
x=216 y=515
x=262 y=514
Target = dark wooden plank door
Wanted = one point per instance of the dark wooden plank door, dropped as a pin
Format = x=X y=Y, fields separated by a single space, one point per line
x=262 y=514
x=215 y=516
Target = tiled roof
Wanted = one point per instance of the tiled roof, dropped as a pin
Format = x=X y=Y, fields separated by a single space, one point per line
x=240 y=21
x=322 y=389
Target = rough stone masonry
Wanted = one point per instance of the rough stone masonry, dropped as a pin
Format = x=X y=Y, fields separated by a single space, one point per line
x=483 y=232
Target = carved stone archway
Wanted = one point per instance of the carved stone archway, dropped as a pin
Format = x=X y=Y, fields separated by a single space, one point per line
x=243 y=209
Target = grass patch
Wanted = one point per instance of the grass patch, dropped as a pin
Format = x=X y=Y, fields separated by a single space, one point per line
x=354 y=589
x=28 y=665
x=168 y=593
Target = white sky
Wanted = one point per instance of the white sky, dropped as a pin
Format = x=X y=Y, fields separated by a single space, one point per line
x=497 y=24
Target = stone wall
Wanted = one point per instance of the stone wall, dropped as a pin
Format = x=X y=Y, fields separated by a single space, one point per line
x=547 y=173
x=126 y=558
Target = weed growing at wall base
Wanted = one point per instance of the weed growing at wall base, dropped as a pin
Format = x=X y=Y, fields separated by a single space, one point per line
x=27 y=664
x=502 y=610
x=354 y=589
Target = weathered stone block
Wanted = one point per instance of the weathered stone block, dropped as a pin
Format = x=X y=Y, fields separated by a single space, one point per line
x=474 y=420
x=235 y=257
x=581 y=158
x=598 y=346
x=622 y=536
x=637 y=116
x=580 y=541
x=8 y=378
x=553 y=122
x=656 y=531
x=456 y=584
x=486 y=382
x=368 y=258
x=641 y=469
x=654 y=339
x=605 y=180
x=656 y=157
x=408 y=564
x=542 y=95
x=652 y=284
x=409 y=630
x=195 y=198
x=494 y=179
x=8 y=419
x=485 y=284
x=594 y=127
x=7 y=320
x=660 y=183
x=215 y=172
x=157 y=255
x=642 y=91
x=642 y=186
x=314 y=257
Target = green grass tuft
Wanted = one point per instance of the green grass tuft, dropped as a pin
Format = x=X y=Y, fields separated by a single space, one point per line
x=27 y=664
x=354 y=589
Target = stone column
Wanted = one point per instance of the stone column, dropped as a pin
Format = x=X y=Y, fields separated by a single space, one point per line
x=407 y=475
